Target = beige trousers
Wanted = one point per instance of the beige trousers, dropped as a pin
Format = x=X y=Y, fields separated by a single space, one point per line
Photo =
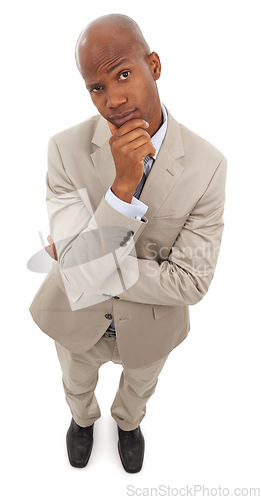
x=80 y=377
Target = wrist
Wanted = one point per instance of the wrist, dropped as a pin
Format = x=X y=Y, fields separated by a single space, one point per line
x=122 y=192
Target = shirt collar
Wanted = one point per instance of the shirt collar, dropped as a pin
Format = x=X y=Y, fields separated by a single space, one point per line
x=158 y=137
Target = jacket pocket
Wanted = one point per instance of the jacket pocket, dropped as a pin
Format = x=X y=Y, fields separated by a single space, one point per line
x=168 y=221
x=160 y=311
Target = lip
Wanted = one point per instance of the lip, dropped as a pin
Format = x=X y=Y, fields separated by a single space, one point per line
x=118 y=120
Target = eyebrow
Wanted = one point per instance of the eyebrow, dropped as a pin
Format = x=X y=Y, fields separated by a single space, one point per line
x=93 y=85
x=116 y=65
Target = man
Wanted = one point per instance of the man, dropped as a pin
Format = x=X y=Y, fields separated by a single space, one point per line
x=121 y=281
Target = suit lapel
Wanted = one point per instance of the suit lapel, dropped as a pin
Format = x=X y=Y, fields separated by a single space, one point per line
x=164 y=173
x=102 y=157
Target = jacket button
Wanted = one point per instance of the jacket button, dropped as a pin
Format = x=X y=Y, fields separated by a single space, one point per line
x=108 y=316
x=116 y=297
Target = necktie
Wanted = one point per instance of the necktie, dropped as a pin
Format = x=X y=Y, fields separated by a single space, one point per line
x=143 y=179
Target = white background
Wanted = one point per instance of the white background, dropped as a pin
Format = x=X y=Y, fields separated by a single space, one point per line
x=203 y=422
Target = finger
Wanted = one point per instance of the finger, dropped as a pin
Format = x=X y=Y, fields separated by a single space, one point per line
x=140 y=141
x=136 y=144
x=49 y=250
x=54 y=251
x=146 y=149
x=130 y=136
x=131 y=125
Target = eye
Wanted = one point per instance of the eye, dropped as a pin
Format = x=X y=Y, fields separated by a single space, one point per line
x=124 y=75
x=96 y=89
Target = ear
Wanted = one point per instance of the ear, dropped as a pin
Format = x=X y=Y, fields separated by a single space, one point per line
x=154 y=64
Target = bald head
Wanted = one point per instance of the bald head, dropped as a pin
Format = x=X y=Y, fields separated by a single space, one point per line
x=119 y=70
x=117 y=29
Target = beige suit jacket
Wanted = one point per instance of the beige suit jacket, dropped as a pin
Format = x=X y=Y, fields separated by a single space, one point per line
x=164 y=263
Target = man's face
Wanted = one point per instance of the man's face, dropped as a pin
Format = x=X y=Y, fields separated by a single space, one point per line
x=121 y=80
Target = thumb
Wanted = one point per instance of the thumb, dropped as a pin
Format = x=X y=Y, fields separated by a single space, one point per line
x=112 y=127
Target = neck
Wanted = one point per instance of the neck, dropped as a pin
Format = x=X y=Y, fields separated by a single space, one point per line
x=156 y=119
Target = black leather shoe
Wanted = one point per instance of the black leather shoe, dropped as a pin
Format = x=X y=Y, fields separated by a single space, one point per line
x=131 y=446
x=79 y=442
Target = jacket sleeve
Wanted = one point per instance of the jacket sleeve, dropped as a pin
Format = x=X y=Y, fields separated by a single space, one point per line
x=184 y=277
x=90 y=245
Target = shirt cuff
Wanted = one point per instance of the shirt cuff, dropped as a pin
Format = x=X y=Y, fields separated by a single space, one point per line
x=136 y=209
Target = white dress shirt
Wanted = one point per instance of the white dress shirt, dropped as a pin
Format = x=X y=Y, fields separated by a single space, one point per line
x=136 y=208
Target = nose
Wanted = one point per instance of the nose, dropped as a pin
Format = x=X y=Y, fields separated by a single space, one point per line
x=114 y=98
